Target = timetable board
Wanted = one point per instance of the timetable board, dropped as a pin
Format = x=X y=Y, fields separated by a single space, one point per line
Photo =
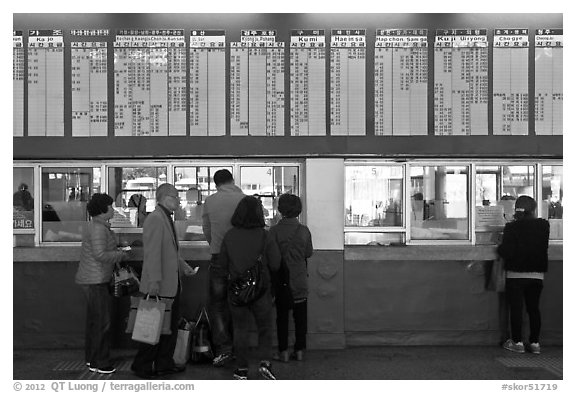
x=150 y=82
x=208 y=82
x=348 y=82
x=510 y=81
x=401 y=82
x=45 y=83
x=18 y=84
x=461 y=82
x=549 y=97
x=257 y=84
x=307 y=82
x=89 y=69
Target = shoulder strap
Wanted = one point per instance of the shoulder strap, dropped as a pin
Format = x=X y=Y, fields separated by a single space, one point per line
x=288 y=243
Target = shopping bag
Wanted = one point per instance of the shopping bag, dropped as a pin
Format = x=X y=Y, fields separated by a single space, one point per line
x=126 y=281
x=183 y=341
x=497 y=278
x=201 y=339
x=135 y=301
x=148 y=322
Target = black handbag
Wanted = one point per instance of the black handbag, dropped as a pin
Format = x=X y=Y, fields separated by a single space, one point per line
x=249 y=286
x=125 y=281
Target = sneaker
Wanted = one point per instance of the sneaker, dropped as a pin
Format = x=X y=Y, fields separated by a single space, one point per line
x=102 y=370
x=221 y=359
x=535 y=348
x=265 y=370
x=297 y=355
x=241 y=374
x=281 y=356
x=514 y=347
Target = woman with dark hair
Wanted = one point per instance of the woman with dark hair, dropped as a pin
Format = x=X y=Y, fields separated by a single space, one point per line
x=295 y=244
x=525 y=251
x=241 y=247
x=98 y=256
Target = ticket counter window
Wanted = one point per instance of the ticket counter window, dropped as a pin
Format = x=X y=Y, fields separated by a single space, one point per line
x=134 y=192
x=552 y=195
x=23 y=199
x=194 y=185
x=268 y=183
x=65 y=194
x=497 y=188
x=439 y=202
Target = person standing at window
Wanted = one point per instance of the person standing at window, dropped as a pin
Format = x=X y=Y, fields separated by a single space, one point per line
x=524 y=248
x=218 y=210
x=98 y=256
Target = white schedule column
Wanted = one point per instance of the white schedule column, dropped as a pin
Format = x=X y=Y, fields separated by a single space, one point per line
x=443 y=64
x=17 y=84
x=89 y=69
x=348 y=82
x=400 y=80
x=510 y=81
x=45 y=83
x=307 y=82
x=548 y=100
x=207 y=82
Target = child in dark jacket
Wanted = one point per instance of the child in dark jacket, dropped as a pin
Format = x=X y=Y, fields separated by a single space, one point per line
x=524 y=248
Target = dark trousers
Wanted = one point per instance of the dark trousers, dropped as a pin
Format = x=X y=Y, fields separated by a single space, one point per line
x=97 y=335
x=300 y=315
x=518 y=291
x=218 y=310
x=242 y=317
x=150 y=358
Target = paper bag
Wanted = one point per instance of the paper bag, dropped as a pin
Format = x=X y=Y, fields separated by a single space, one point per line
x=134 y=302
x=183 y=341
x=148 y=322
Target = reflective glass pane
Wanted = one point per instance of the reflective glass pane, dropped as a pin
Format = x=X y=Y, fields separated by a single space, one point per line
x=23 y=198
x=439 y=202
x=552 y=196
x=65 y=193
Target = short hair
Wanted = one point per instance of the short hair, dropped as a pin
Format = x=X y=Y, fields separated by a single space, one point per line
x=248 y=214
x=525 y=207
x=98 y=204
x=289 y=205
x=164 y=190
x=222 y=176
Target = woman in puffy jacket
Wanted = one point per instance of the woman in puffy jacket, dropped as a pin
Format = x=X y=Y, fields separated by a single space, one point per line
x=98 y=256
x=524 y=249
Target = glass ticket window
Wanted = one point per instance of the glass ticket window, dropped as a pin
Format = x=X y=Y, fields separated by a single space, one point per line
x=552 y=195
x=65 y=194
x=268 y=183
x=134 y=192
x=497 y=188
x=194 y=185
x=439 y=202
x=23 y=198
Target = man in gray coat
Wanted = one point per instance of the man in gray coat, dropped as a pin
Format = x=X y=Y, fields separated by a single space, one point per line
x=161 y=270
x=218 y=210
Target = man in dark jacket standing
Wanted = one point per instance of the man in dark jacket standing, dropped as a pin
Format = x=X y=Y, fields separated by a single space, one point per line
x=525 y=251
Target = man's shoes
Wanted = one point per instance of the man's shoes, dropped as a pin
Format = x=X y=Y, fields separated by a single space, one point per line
x=535 y=348
x=221 y=359
x=241 y=374
x=172 y=370
x=514 y=347
x=297 y=355
x=265 y=370
x=144 y=374
x=101 y=370
x=281 y=356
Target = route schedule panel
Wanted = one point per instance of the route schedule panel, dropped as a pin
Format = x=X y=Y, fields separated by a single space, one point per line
x=348 y=82
x=401 y=82
x=150 y=82
x=510 y=81
x=549 y=97
x=45 y=83
x=17 y=84
x=207 y=82
x=89 y=69
x=257 y=84
x=461 y=82
x=307 y=82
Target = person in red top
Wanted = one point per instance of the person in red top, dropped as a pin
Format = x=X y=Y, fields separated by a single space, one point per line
x=241 y=247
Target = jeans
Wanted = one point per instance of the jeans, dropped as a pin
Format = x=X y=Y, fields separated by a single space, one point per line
x=518 y=291
x=261 y=311
x=218 y=310
x=300 y=314
x=151 y=358
x=98 y=335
